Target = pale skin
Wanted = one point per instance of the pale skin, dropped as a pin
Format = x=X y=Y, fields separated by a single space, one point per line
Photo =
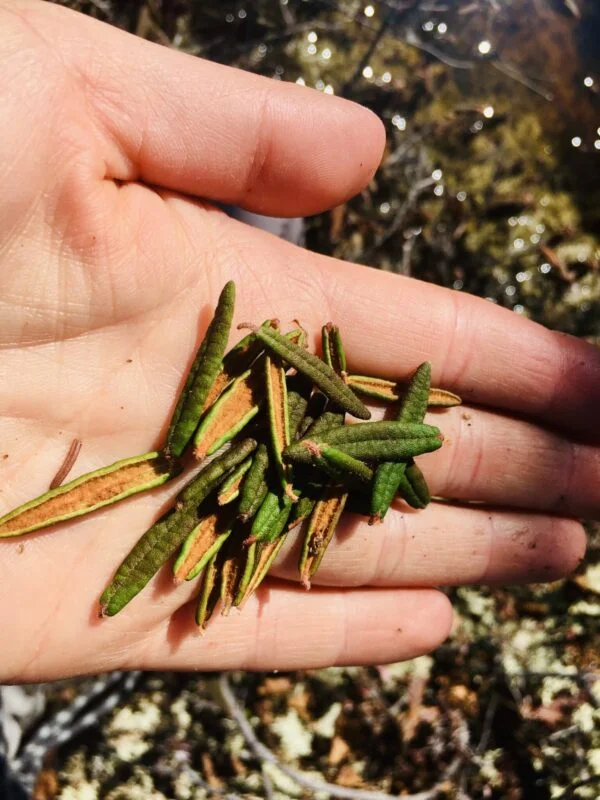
x=110 y=265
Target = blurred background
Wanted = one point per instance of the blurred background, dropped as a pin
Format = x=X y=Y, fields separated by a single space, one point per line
x=489 y=185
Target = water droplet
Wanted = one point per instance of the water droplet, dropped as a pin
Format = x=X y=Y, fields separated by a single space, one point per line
x=329 y=89
x=484 y=47
x=384 y=208
x=518 y=308
x=312 y=37
x=523 y=276
x=242 y=13
x=428 y=26
x=458 y=284
x=438 y=190
x=545 y=268
x=399 y=122
x=488 y=112
x=588 y=81
x=229 y=17
x=369 y=11
x=326 y=53
x=367 y=72
x=461 y=197
x=386 y=77
x=442 y=28
x=476 y=126
x=300 y=81
x=510 y=290
x=597 y=144
x=519 y=244
x=437 y=174
x=576 y=141
x=311 y=49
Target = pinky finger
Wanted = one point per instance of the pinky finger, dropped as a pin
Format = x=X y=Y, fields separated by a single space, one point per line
x=284 y=627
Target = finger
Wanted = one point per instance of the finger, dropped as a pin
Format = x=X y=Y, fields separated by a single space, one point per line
x=443 y=546
x=209 y=130
x=511 y=462
x=390 y=324
x=485 y=353
x=285 y=627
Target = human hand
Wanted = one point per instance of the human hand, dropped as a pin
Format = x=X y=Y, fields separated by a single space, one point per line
x=106 y=257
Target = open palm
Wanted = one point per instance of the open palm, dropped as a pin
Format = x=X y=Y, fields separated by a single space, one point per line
x=109 y=269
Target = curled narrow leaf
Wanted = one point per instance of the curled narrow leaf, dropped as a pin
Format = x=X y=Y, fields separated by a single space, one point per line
x=389 y=477
x=442 y=398
x=335 y=462
x=300 y=511
x=316 y=406
x=264 y=553
x=298 y=395
x=88 y=493
x=247 y=571
x=254 y=488
x=235 y=362
x=391 y=449
x=321 y=375
x=271 y=518
x=393 y=391
x=279 y=422
x=210 y=476
x=203 y=372
x=230 y=488
x=200 y=545
x=232 y=569
x=351 y=434
x=324 y=423
x=161 y=540
x=209 y=593
x=234 y=409
x=322 y=525
x=414 y=404
x=334 y=354
x=413 y=488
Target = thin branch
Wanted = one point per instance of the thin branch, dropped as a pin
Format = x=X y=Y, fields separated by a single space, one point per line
x=265 y=755
x=411 y=38
x=407 y=206
x=394 y=13
x=196 y=780
x=580 y=784
x=488 y=720
x=286 y=13
x=519 y=77
x=104 y=6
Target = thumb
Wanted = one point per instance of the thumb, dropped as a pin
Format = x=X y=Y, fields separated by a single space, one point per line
x=185 y=124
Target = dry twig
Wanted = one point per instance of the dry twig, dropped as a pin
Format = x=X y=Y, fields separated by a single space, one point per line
x=265 y=755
